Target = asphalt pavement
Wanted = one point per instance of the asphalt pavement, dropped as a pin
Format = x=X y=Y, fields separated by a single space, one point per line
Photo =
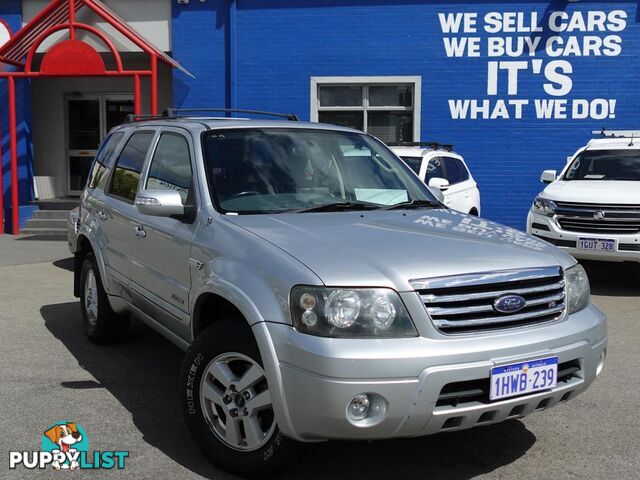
x=125 y=396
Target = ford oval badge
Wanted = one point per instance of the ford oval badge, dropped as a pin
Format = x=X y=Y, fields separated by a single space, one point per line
x=509 y=303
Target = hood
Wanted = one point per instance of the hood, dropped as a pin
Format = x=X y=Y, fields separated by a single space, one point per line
x=387 y=249
x=594 y=191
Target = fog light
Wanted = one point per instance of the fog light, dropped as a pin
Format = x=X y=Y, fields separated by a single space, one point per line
x=601 y=362
x=359 y=407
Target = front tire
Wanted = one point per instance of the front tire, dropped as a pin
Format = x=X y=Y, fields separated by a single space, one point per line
x=227 y=402
x=101 y=324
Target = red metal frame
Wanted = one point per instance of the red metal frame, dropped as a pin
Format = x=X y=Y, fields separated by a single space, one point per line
x=21 y=49
x=6 y=25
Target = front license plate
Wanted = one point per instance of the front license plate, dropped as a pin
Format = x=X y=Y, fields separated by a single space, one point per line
x=598 y=244
x=521 y=378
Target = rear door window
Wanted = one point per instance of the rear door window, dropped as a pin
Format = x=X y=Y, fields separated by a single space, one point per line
x=103 y=161
x=126 y=175
x=462 y=170
x=452 y=170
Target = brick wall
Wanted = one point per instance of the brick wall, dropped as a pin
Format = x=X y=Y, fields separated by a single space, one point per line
x=282 y=43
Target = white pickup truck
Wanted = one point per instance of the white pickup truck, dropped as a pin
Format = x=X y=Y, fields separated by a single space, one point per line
x=592 y=208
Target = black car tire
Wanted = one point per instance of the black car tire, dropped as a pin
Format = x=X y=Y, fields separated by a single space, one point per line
x=227 y=338
x=101 y=324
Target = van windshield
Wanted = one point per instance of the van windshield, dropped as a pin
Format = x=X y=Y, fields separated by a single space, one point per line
x=605 y=165
x=275 y=170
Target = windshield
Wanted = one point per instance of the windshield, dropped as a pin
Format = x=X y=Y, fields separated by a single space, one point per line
x=605 y=165
x=272 y=170
x=413 y=162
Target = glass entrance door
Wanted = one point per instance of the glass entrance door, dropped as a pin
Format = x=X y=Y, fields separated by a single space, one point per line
x=89 y=119
x=84 y=135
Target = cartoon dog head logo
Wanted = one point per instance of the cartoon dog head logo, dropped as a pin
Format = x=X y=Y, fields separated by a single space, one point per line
x=67 y=438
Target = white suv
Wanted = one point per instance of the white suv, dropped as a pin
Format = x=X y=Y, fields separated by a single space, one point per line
x=592 y=209
x=442 y=169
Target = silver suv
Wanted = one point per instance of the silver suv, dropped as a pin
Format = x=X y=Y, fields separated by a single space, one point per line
x=320 y=290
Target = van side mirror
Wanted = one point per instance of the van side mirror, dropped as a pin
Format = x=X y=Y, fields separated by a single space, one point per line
x=548 y=176
x=441 y=184
x=160 y=203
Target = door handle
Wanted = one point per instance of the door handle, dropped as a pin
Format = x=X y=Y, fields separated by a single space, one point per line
x=140 y=233
x=102 y=216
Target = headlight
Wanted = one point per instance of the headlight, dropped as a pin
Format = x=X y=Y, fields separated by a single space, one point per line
x=350 y=312
x=544 y=206
x=578 y=289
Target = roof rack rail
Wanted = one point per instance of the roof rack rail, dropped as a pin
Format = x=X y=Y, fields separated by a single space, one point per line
x=132 y=117
x=604 y=133
x=433 y=145
x=180 y=112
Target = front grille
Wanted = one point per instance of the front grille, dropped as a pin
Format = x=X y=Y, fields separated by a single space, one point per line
x=465 y=303
x=596 y=218
x=585 y=225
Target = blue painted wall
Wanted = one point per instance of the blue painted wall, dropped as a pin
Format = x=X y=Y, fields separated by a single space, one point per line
x=282 y=43
x=10 y=12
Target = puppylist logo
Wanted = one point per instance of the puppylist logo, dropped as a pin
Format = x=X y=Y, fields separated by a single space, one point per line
x=65 y=446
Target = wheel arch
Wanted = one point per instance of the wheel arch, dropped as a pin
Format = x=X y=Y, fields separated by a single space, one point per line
x=213 y=302
x=83 y=248
x=232 y=304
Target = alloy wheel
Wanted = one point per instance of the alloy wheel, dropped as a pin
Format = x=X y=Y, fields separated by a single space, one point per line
x=236 y=401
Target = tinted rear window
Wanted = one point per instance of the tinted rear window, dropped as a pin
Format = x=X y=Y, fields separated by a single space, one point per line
x=103 y=161
x=127 y=173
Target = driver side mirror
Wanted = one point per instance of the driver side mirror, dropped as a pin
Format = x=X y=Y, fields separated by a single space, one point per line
x=160 y=203
x=437 y=193
x=548 y=176
x=441 y=184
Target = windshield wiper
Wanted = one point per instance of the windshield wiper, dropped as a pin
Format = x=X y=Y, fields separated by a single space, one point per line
x=336 y=207
x=413 y=204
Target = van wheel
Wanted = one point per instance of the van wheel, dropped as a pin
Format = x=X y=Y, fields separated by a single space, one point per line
x=227 y=402
x=101 y=324
x=473 y=212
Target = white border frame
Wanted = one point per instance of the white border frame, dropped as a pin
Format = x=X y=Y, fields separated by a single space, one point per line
x=417 y=94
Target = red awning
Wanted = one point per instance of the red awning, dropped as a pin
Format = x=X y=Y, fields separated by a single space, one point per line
x=58 y=13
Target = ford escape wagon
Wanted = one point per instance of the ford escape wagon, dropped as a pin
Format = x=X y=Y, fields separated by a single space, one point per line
x=320 y=290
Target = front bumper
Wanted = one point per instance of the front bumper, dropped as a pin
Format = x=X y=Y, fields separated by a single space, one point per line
x=317 y=377
x=628 y=245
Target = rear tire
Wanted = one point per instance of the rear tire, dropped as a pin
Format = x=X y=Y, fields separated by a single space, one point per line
x=227 y=403
x=473 y=212
x=101 y=324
